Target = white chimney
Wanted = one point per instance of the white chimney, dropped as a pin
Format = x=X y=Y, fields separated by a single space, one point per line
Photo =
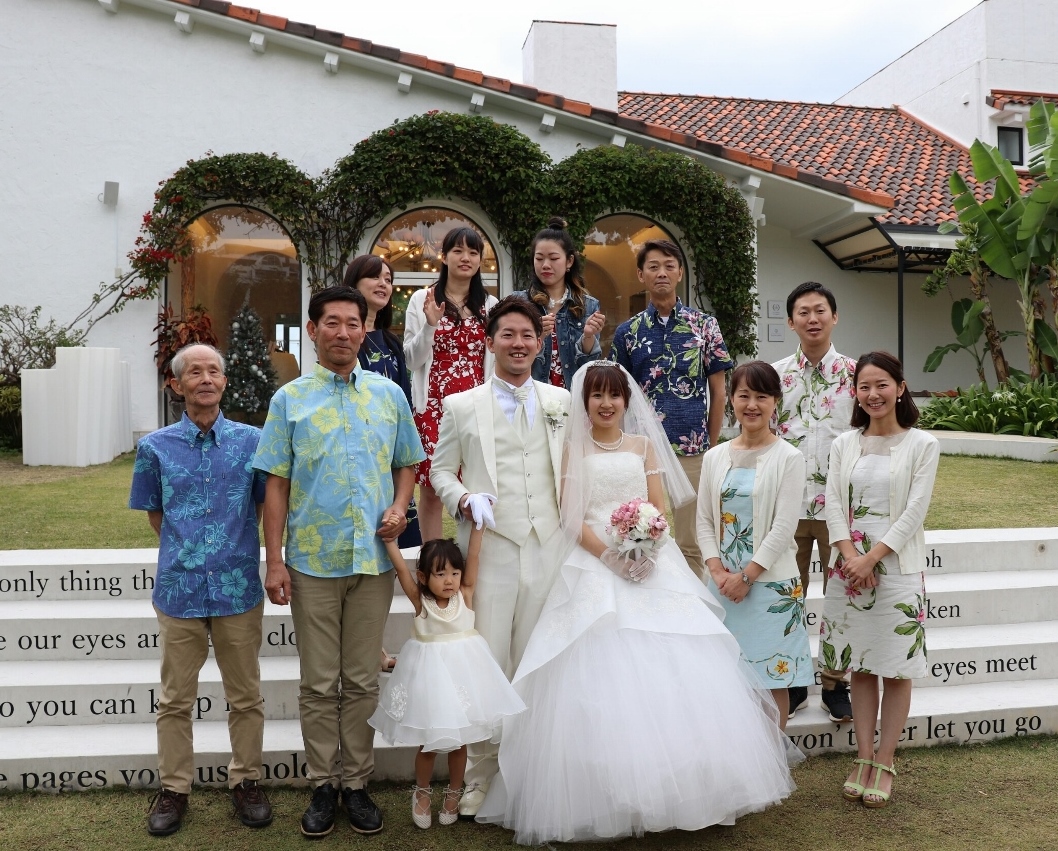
x=577 y=61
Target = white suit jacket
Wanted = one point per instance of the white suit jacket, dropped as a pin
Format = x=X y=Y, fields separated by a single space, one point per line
x=466 y=442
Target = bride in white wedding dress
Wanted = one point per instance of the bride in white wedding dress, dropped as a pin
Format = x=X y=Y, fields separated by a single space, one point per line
x=641 y=715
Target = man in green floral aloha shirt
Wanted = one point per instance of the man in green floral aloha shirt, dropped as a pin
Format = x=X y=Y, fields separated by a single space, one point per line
x=817 y=400
x=339 y=447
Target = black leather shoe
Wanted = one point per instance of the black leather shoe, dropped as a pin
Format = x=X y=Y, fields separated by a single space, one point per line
x=167 y=813
x=251 y=804
x=318 y=820
x=364 y=816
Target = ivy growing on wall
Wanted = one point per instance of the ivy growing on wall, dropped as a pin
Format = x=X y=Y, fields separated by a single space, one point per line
x=494 y=166
x=669 y=187
x=256 y=180
x=445 y=155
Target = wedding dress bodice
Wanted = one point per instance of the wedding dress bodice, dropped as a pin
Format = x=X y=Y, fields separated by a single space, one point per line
x=616 y=478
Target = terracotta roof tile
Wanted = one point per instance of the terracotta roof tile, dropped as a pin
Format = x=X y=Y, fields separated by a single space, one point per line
x=1001 y=98
x=676 y=124
x=883 y=150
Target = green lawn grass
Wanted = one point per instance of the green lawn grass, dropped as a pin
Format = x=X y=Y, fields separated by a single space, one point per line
x=992 y=796
x=54 y=508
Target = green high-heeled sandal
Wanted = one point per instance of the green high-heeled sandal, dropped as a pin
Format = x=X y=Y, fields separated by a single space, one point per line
x=878 y=798
x=853 y=790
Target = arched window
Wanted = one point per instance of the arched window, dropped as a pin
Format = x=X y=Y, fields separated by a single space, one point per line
x=610 y=267
x=243 y=256
x=411 y=244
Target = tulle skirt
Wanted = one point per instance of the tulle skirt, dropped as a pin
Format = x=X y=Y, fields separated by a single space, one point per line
x=445 y=694
x=641 y=715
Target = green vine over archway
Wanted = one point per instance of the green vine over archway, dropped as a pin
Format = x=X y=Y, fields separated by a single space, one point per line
x=445 y=155
x=712 y=216
x=473 y=158
x=259 y=180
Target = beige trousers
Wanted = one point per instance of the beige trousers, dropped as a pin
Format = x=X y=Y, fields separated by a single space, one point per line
x=512 y=587
x=184 y=646
x=811 y=532
x=684 y=519
x=338 y=624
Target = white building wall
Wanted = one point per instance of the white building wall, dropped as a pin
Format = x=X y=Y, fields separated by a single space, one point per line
x=573 y=59
x=867 y=311
x=999 y=44
x=90 y=96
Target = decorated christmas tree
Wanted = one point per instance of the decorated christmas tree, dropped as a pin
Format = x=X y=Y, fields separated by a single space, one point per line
x=251 y=378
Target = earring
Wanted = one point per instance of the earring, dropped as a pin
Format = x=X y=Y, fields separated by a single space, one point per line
x=899 y=398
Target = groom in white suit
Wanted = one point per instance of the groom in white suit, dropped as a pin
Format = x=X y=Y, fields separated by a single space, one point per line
x=504 y=439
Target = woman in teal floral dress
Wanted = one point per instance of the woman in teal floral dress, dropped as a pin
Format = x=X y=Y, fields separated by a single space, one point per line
x=749 y=500
x=878 y=490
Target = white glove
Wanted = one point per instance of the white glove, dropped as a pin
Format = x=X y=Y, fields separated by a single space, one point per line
x=480 y=505
x=620 y=564
x=641 y=568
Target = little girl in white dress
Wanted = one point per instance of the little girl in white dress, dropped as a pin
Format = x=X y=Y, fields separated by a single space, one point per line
x=446 y=690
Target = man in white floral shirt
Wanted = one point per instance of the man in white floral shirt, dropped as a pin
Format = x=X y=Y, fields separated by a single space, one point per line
x=818 y=398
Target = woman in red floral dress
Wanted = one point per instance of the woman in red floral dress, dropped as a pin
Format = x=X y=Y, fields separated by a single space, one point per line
x=444 y=344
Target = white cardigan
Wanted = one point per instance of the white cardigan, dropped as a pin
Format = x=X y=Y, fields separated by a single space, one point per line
x=777 y=491
x=912 y=469
x=418 y=347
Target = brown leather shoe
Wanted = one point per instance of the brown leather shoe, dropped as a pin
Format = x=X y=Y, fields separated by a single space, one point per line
x=251 y=804
x=167 y=812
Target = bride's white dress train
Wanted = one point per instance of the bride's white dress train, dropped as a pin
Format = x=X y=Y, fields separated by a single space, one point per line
x=641 y=715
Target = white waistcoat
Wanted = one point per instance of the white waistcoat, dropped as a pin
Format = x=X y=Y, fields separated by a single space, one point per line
x=525 y=480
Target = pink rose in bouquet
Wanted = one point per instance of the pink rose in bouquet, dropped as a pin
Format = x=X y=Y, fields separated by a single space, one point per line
x=637 y=529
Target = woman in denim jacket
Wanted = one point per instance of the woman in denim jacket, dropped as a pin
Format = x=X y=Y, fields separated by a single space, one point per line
x=571 y=318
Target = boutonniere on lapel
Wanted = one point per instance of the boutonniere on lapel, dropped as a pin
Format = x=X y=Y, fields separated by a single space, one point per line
x=554 y=414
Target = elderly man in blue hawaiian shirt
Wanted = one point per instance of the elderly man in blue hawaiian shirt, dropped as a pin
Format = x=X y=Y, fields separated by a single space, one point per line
x=678 y=356
x=195 y=479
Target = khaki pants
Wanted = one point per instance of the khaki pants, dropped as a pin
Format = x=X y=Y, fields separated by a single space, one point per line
x=807 y=533
x=684 y=520
x=184 y=646
x=513 y=585
x=338 y=624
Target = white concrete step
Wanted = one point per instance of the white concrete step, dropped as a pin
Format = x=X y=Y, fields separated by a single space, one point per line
x=129 y=574
x=125 y=691
x=973 y=712
x=989 y=653
x=52 y=759
x=74 y=758
x=975 y=598
x=44 y=630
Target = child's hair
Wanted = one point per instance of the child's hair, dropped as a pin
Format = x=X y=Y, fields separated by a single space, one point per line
x=434 y=555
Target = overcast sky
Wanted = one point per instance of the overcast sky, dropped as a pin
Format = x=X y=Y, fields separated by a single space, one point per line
x=807 y=50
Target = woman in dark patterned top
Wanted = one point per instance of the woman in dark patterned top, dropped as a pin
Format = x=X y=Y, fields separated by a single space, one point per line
x=381 y=351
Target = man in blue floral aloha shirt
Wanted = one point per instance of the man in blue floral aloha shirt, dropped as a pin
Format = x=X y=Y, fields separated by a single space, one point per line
x=678 y=356
x=195 y=479
x=817 y=401
x=340 y=448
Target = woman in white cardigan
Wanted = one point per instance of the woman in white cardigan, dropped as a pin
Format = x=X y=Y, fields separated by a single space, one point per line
x=749 y=499
x=444 y=345
x=878 y=490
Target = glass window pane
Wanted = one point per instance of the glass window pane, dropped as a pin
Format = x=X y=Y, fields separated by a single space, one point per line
x=242 y=256
x=1010 y=146
x=610 y=267
x=411 y=244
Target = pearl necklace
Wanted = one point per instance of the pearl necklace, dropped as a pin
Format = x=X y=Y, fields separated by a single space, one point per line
x=610 y=447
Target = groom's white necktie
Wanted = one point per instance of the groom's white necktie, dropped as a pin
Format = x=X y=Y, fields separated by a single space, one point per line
x=521 y=418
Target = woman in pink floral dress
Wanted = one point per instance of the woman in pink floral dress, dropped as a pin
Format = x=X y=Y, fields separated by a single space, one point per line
x=878 y=490
x=444 y=344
